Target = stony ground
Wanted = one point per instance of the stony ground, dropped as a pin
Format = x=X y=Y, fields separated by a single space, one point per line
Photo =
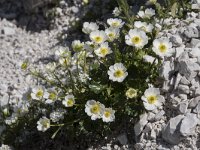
x=175 y=126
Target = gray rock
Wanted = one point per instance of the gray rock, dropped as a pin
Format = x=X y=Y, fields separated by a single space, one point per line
x=4 y=100
x=191 y=32
x=153 y=134
x=188 y=124
x=159 y=115
x=140 y=124
x=179 y=50
x=197 y=108
x=151 y=116
x=184 y=89
x=171 y=132
x=177 y=80
x=194 y=43
x=8 y=31
x=189 y=69
x=166 y=69
x=197 y=92
x=147 y=128
x=176 y=40
x=182 y=107
x=195 y=52
x=122 y=139
x=183 y=96
x=193 y=103
x=139 y=146
x=184 y=81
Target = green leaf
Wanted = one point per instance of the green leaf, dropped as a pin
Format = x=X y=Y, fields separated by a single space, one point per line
x=174 y=9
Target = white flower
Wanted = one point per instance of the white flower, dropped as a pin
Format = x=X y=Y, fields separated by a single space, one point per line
x=136 y=38
x=65 y=61
x=108 y=115
x=43 y=124
x=152 y=98
x=144 y=26
x=98 y=36
x=148 y=13
x=37 y=93
x=131 y=93
x=150 y=59
x=94 y=109
x=117 y=72
x=112 y=33
x=103 y=50
x=116 y=12
x=162 y=47
x=68 y=101
x=57 y=115
x=50 y=96
x=115 y=22
x=51 y=66
x=5 y=147
x=89 y=27
x=77 y=45
x=63 y=52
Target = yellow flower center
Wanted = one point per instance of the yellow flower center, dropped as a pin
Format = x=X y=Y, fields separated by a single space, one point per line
x=70 y=102
x=98 y=39
x=104 y=51
x=131 y=93
x=152 y=99
x=52 y=95
x=115 y=24
x=119 y=73
x=162 y=48
x=136 y=40
x=95 y=109
x=107 y=114
x=111 y=35
x=39 y=93
x=46 y=123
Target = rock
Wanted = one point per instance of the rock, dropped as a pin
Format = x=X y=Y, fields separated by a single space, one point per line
x=197 y=92
x=166 y=69
x=122 y=139
x=183 y=89
x=188 y=124
x=171 y=132
x=184 y=81
x=139 y=146
x=191 y=32
x=183 y=96
x=8 y=31
x=147 y=128
x=197 y=108
x=193 y=103
x=176 y=40
x=179 y=50
x=194 y=43
x=153 y=134
x=183 y=107
x=151 y=116
x=140 y=125
x=4 y=100
x=195 y=52
x=159 y=115
x=177 y=80
x=188 y=69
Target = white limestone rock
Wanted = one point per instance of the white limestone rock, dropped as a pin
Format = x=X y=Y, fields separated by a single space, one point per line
x=166 y=69
x=194 y=101
x=197 y=92
x=176 y=40
x=122 y=139
x=171 y=131
x=184 y=89
x=159 y=115
x=194 y=43
x=182 y=107
x=4 y=100
x=184 y=81
x=197 y=109
x=140 y=124
x=179 y=50
x=188 y=124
